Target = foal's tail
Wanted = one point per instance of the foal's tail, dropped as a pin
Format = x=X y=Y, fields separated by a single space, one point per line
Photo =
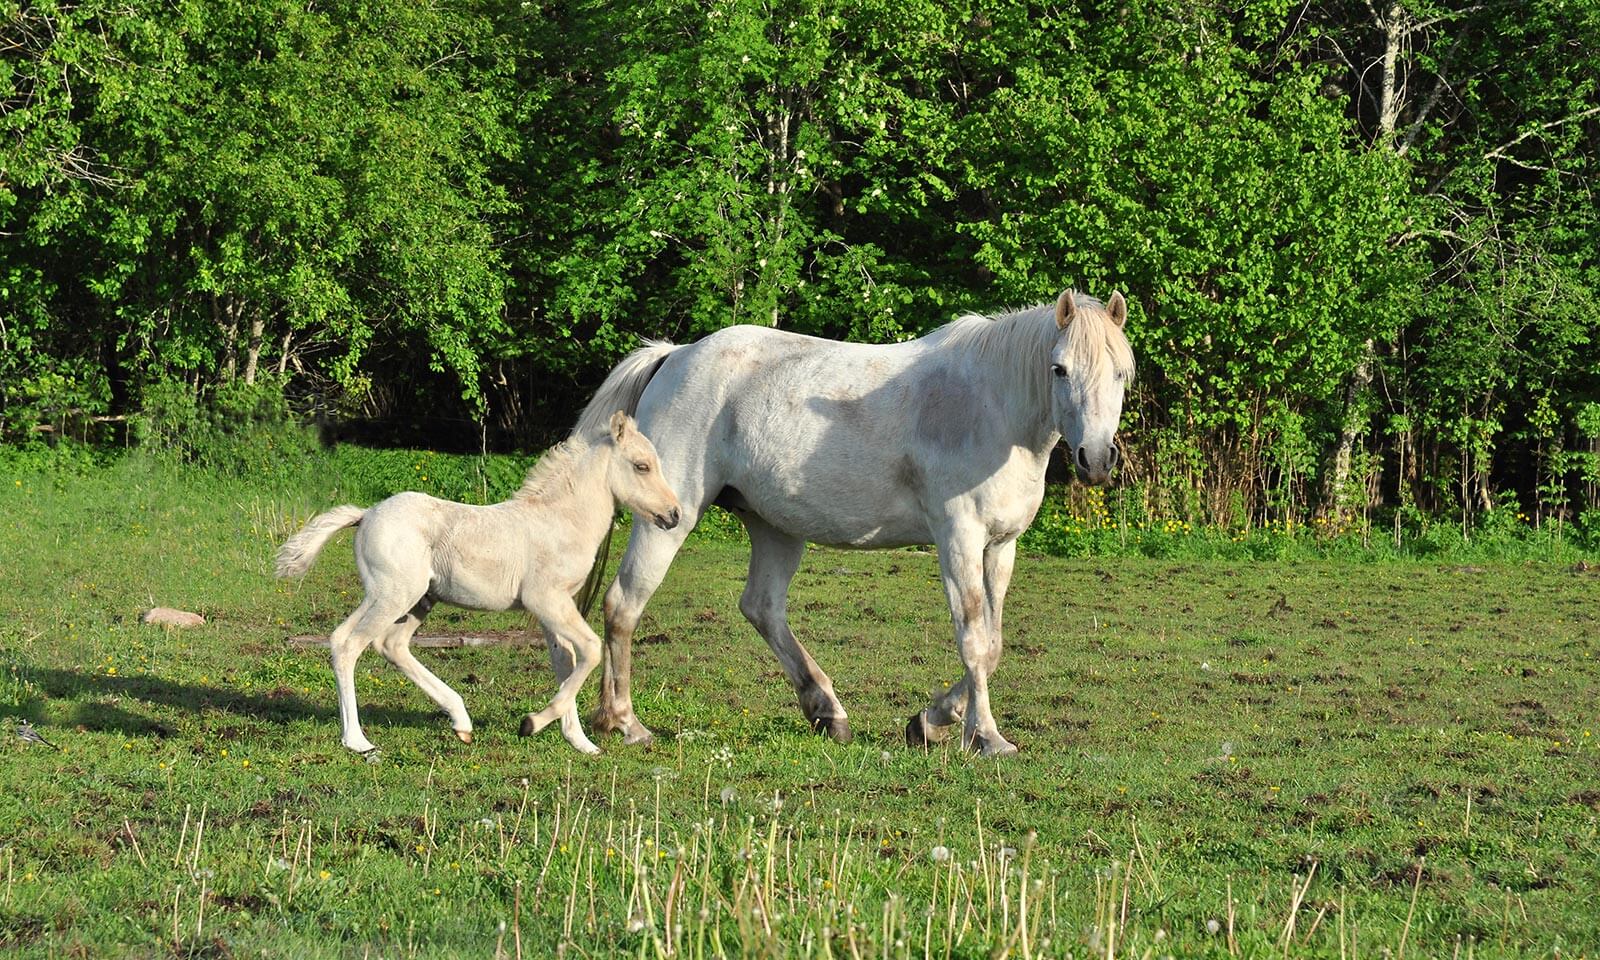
x=300 y=551
x=623 y=387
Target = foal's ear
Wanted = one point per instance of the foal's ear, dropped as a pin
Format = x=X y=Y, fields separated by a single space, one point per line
x=1117 y=309
x=620 y=424
x=1066 y=308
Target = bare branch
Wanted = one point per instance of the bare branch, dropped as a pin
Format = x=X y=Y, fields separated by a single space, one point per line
x=1499 y=153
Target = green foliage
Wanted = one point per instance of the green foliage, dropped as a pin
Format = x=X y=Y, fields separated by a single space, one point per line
x=236 y=429
x=367 y=476
x=1328 y=220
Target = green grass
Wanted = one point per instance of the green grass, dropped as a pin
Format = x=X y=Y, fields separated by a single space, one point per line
x=1392 y=757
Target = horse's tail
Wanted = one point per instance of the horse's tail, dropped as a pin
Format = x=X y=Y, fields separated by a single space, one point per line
x=300 y=551
x=623 y=387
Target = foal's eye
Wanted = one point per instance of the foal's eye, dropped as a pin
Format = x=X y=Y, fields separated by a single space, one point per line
x=642 y=467
x=1058 y=369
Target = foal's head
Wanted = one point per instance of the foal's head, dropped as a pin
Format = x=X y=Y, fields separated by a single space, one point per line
x=634 y=474
x=1091 y=366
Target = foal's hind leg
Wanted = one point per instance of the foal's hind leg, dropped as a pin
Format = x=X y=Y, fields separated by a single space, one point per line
x=345 y=645
x=396 y=645
x=774 y=558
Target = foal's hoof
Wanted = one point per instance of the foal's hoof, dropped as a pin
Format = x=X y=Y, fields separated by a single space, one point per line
x=528 y=728
x=465 y=736
x=920 y=734
x=837 y=728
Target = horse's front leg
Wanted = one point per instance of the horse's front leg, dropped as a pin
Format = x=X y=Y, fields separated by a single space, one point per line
x=644 y=564
x=976 y=576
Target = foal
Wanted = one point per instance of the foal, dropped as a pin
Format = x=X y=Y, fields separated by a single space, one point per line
x=532 y=551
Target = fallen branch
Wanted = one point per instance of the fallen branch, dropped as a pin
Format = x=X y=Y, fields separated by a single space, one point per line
x=452 y=641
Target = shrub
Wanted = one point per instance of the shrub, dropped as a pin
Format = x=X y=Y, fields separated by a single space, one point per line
x=237 y=429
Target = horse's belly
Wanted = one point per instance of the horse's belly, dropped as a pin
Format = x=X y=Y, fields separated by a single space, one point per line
x=837 y=522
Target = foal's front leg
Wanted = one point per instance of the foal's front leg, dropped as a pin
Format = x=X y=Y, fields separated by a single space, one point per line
x=574 y=653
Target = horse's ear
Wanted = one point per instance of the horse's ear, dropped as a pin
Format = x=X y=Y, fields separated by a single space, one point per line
x=1066 y=308
x=620 y=421
x=1117 y=309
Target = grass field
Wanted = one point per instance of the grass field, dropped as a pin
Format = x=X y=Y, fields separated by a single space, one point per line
x=1328 y=758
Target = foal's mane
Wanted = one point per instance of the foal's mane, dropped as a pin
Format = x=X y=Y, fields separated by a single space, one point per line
x=555 y=472
x=1019 y=341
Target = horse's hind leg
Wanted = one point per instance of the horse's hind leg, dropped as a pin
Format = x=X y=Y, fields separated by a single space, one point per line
x=396 y=645
x=644 y=564
x=774 y=558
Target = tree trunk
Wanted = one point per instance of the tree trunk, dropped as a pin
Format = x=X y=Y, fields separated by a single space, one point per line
x=225 y=314
x=252 y=355
x=1336 y=478
x=1396 y=26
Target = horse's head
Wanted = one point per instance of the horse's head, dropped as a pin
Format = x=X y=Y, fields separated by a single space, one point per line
x=634 y=474
x=1091 y=366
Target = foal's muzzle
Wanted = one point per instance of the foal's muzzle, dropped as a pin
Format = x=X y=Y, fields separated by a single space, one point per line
x=667 y=521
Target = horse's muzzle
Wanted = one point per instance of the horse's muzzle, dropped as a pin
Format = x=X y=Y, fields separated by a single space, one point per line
x=667 y=521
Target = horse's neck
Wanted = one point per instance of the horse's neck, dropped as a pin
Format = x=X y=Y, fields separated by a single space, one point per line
x=1013 y=359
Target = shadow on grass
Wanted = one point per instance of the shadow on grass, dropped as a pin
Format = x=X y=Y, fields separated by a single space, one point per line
x=97 y=703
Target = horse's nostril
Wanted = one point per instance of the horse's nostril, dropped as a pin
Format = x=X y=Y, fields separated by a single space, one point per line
x=1083 y=458
x=1113 y=456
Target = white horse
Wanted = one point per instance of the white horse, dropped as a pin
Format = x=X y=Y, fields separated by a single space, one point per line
x=939 y=440
x=533 y=551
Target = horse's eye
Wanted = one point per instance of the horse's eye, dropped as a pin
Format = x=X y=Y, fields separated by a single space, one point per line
x=1058 y=369
x=642 y=467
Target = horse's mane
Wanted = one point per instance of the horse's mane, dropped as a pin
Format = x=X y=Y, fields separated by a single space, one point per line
x=554 y=474
x=1017 y=340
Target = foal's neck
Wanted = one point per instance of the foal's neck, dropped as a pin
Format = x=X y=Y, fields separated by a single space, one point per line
x=574 y=486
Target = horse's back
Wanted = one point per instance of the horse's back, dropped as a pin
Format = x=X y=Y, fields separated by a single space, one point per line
x=810 y=432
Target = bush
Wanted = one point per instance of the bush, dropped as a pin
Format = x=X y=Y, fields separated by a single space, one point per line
x=237 y=429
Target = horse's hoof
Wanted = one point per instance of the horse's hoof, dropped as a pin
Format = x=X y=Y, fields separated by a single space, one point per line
x=465 y=736
x=918 y=736
x=837 y=728
x=634 y=733
x=527 y=729
x=998 y=747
